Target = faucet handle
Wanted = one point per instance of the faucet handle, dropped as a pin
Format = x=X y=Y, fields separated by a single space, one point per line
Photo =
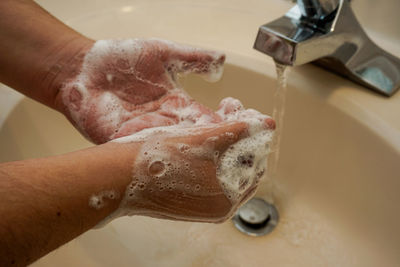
x=317 y=9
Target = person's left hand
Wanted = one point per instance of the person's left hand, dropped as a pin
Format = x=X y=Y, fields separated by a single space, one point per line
x=129 y=85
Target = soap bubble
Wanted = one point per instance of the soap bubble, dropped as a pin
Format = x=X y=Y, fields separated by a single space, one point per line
x=157 y=168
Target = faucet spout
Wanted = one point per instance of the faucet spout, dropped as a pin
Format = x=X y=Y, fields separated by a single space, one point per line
x=327 y=33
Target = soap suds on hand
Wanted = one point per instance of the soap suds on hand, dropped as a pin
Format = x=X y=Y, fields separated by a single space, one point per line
x=98 y=201
x=159 y=111
x=238 y=170
x=125 y=86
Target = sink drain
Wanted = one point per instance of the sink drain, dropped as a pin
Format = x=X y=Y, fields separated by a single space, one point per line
x=256 y=218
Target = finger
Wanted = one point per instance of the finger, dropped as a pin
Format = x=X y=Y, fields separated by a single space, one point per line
x=187 y=59
x=187 y=110
x=204 y=114
x=145 y=121
x=231 y=109
x=266 y=121
x=219 y=137
x=229 y=106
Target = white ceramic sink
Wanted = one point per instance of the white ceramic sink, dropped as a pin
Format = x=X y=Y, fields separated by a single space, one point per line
x=338 y=182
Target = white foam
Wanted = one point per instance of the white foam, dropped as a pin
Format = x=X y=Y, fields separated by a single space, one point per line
x=112 y=108
x=239 y=168
x=244 y=164
x=100 y=200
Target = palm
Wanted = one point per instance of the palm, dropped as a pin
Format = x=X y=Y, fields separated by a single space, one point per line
x=126 y=86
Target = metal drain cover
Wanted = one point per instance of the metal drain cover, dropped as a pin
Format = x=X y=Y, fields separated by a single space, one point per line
x=256 y=218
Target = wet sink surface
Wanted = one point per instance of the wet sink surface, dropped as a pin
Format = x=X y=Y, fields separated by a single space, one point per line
x=338 y=179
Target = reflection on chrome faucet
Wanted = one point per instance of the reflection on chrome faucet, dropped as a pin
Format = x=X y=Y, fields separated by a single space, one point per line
x=327 y=33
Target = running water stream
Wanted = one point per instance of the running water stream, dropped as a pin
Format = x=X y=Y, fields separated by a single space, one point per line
x=277 y=114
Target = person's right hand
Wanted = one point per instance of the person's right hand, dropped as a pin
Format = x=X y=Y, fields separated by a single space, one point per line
x=196 y=173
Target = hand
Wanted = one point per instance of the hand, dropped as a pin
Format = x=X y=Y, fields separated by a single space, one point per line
x=199 y=173
x=129 y=85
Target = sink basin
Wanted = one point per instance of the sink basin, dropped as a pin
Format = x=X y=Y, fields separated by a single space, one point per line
x=338 y=178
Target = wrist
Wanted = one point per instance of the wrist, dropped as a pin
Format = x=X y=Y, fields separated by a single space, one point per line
x=115 y=163
x=63 y=63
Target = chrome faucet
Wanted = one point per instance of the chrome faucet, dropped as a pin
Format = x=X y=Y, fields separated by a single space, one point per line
x=327 y=33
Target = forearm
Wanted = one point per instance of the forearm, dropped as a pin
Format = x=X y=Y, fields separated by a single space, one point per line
x=37 y=51
x=44 y=203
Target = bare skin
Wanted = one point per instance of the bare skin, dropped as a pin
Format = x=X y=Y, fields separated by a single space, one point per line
x=44 y=203
x=38 y=52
